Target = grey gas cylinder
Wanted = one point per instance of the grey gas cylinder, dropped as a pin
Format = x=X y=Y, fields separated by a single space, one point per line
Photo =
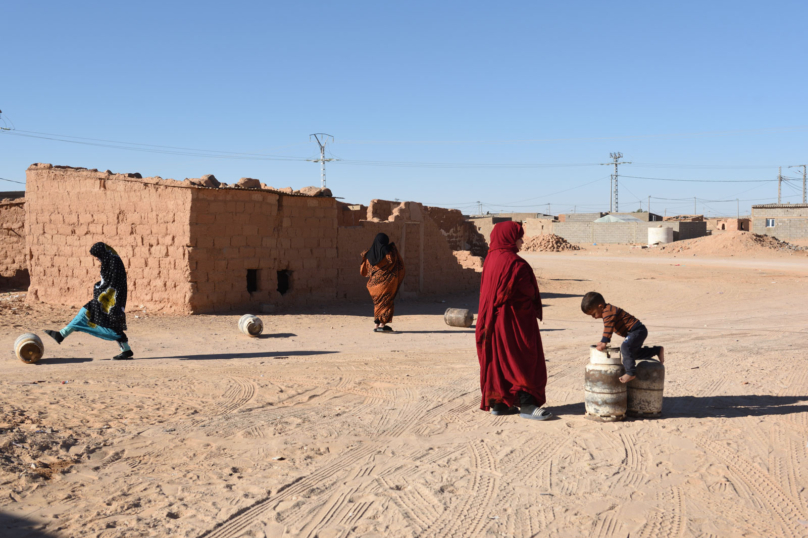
x=250 y=325
x=604 y=395
x=645 y=390
x=458 y=317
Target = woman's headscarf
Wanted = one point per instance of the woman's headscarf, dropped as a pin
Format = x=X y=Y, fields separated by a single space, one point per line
x=499 y=274
x=380 y=248
x=108 y=307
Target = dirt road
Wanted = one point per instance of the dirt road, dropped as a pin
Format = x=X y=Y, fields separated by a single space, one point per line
x=325 y=429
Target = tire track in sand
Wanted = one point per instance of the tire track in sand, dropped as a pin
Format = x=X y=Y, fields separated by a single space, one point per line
x=668 y=522
x=467 y=518
x=761 y=484
x=234 y=525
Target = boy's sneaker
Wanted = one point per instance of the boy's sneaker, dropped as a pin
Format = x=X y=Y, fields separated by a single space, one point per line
x=56 y=335
x=124 y=356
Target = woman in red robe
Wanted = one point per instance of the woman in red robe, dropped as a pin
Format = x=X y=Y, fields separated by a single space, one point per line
x=513 y=374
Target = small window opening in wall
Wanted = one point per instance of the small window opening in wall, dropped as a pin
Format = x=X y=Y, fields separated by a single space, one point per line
x=769 y=223
x=284 y=281
x=252 y=280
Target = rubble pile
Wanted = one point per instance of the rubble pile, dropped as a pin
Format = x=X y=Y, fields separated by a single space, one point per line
x=547 y=243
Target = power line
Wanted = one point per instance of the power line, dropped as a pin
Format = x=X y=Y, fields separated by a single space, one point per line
x=703 y=180
x=572 y=139
x=12 y=181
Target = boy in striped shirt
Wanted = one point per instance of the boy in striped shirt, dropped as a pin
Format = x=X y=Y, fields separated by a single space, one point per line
x=617 y=320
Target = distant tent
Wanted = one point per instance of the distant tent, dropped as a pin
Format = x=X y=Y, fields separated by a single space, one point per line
x=622 y=218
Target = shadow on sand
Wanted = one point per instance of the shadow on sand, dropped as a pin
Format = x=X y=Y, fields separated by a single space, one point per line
x=17 y=527
x=258 y=355
x=279 y=335
x=714 y=406
x=57 y=360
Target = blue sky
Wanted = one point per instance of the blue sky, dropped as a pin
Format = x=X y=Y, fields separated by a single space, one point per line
x=700 y=91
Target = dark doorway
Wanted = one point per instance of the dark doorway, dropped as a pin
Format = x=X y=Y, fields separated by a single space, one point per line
x=284 y=281
x=252 y=280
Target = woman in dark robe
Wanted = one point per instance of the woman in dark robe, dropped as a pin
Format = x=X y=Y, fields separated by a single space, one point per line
x=383 y=265
x=104 y=316
x=513 y=374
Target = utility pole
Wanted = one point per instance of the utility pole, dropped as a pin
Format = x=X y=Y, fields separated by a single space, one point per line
x=649 y=206
x=804 y=167
x=322 y=160
x=613 y=195
x=738 y=201
x=480 y=207
x=695 y=210
x=779 y=182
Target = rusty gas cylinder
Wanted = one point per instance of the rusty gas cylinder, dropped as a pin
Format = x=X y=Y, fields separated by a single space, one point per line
x=645 y=390
x=604 y=394
x=458 y=317
x=29 y=348
x=250 y=325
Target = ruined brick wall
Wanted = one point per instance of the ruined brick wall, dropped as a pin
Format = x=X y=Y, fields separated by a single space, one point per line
x=147 y=222
x=460 y=233
x=192 y=249
x=432 y=268
x=234 y=232
x=350 y=215
x=13 y=262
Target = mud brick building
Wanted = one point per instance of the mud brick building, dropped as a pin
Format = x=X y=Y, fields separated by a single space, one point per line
x=13 y=262
x=191 y=249
x=783 y=221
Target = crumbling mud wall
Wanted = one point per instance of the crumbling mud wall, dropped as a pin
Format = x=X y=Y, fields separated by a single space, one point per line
x=459 y=233
x=13 y=261
x=199 y=246
x=351 y=214
x=147 y=222
x=253 y=247
x=431 y=265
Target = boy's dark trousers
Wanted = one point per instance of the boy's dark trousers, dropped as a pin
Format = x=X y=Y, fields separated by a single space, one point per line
x=632 y=348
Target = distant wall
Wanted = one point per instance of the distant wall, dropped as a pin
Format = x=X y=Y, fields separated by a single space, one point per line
x=580 y=217
x=13 y=260
x=535 y=227
x=643 y=215
x=623 y=232
x=790 y=221
x=734 y=225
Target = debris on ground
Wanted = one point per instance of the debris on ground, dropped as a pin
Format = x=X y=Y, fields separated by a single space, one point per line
x=547 y=243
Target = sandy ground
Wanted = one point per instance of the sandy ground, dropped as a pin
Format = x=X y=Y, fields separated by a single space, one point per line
x=322 y=428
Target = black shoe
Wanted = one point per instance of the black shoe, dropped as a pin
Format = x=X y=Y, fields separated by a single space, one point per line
x=503 y=409
x=124 y=356
x=56 y=335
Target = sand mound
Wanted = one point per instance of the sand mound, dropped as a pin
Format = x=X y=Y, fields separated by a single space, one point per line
x=547 y=243
x=731 y=243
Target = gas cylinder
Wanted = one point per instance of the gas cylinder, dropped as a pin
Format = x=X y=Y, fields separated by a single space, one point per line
x=29 y=348
x=645 y=390
x=250 y=325
x=604 y=394
x=458 y=317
